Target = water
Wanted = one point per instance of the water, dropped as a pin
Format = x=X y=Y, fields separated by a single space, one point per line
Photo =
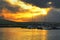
x=28 y=34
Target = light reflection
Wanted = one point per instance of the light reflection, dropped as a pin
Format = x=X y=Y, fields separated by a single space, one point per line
x=23 y=34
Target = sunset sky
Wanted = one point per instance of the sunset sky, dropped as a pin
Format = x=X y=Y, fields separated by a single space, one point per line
x=30 y=10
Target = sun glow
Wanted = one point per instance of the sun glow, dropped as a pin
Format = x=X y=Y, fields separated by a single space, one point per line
x=25 y=13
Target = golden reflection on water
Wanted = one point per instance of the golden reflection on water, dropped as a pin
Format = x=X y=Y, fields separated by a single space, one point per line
x=23 y=34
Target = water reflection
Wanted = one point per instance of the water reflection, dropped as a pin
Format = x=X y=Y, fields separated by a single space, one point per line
x=22 y=34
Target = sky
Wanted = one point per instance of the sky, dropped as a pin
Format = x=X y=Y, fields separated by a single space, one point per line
x=52 y=16
x=43 y=3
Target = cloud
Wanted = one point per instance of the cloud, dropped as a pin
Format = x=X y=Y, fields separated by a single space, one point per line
x=38 y=3
x=6 y=5
x=43 y=3
x=53 y=16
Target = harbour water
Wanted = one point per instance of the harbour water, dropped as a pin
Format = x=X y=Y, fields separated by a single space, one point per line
x=28 y=34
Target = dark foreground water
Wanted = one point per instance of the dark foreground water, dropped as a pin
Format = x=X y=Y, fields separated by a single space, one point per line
x=28 y=34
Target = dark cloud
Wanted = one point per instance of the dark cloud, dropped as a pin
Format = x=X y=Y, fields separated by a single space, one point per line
x=36 y=2
x=4 y=4
x=53 y=16
x=43 y=3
